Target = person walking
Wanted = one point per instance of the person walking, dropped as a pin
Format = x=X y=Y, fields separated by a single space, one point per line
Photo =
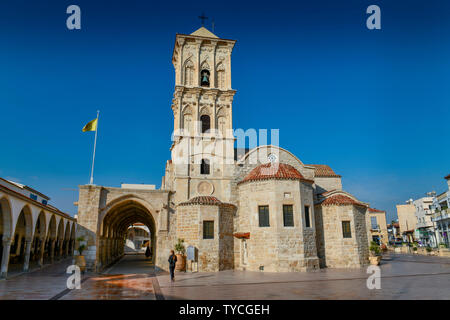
x=172 y=262
x=148 y=253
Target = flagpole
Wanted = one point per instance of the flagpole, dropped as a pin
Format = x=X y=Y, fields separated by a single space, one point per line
x=93 y=157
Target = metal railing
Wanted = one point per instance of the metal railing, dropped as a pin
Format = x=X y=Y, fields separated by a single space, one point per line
x=440 y=215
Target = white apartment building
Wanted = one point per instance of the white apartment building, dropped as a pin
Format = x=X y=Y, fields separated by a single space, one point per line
x=424 y=232
x=441 y=215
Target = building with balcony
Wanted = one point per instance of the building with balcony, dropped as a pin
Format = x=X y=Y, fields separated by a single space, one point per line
x=441 y=215
x=424 y=228
x=376 y=226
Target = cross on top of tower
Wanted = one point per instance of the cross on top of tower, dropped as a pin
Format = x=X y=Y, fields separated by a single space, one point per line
x=203 y=18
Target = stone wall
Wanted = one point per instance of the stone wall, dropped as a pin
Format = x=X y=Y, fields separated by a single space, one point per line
x=324 y=184
x=334 y=250
x=276 y=248
x=381 y=221
x=213 y=254
x=96 y=202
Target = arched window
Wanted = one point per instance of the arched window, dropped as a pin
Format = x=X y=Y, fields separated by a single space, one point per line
x=206 y=123
x=187 y=120
x=187 y=125
x=204 y=166
x=189 y=73
x=204 y=78
x=220 y=76
x=222 y=123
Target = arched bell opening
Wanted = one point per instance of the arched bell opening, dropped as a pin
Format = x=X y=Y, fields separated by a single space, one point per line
x=204 y=78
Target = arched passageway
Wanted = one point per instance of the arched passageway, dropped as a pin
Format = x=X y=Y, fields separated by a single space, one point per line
x=19 y=254
x=114 y=228
x=138 y=238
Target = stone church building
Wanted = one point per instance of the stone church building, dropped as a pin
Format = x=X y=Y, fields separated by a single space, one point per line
x=263 y=209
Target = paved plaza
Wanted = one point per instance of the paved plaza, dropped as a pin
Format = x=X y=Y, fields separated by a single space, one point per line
x=133 y=277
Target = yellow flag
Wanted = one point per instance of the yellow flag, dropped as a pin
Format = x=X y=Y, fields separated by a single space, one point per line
x=91 y=126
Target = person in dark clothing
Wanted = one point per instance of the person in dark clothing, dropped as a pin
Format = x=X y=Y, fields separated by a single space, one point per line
x=172 y=262
x=148 y=253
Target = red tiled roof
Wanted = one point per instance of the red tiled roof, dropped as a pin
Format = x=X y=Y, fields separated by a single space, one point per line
x=327 y=192
x=279 y=171
x=340 y=200
x=207 y=200
x=242 y=235
x=375 y=210
x=323 y=170
x=447 y=177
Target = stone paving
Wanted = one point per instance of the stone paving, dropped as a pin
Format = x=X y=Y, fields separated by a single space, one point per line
x=41 y=284
x=129 y=279
x=402 y=277
x=133 y=277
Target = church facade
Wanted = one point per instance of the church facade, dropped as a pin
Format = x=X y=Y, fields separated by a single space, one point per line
x=261 y=209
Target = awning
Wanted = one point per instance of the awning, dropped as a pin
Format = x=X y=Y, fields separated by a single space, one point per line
x=242 y=235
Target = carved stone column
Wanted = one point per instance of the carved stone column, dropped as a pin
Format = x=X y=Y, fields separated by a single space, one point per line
x=66 y=251
x=41 y=253
x=52 y=250
x=26 y=263
x=5 y=257
x=60 y=249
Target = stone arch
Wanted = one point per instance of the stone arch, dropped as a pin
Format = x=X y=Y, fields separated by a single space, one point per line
x=205 y=111
x=222 y=121
x=188 y=119
x=51 y=232
x=221 y=75
x=114 y=221
x=188 y=73
x=38 y=237
x=123 y=199
x=205 y=74
x=59 y=239
x=49 y=246
x=205 y=120
x=21 y=240
x=5 y=233
x=5 y=218
x=65 y=243
x=205 y=65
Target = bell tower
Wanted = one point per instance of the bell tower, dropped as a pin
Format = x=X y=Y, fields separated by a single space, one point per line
x=203 y=143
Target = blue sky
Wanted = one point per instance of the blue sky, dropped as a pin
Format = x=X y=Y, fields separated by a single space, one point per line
x=374 y=105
